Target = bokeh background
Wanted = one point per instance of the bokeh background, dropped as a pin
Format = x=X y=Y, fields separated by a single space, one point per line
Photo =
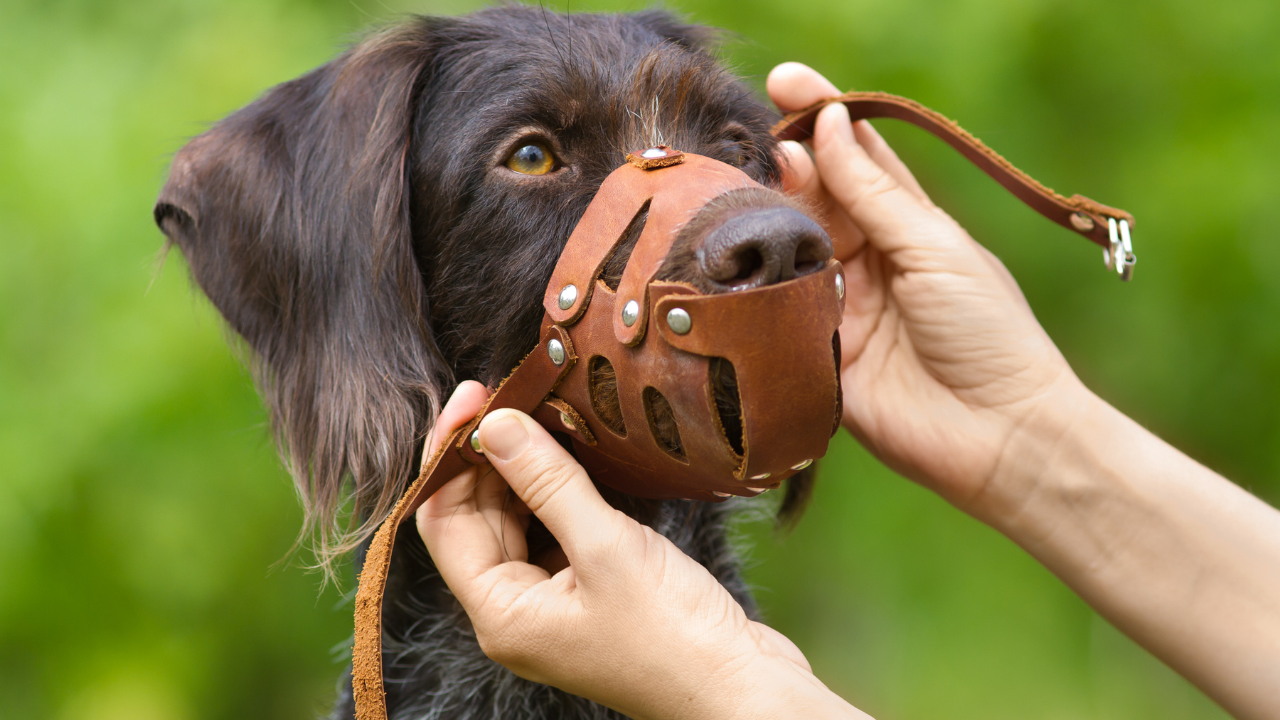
x=143 y=513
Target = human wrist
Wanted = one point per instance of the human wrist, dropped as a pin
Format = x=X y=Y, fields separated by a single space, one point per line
x=775 y=687
x=1058 y=425
x=753 y=686
x=1073 y=487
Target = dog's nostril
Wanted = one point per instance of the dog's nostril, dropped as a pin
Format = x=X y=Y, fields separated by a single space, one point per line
x=747 y=261
x=762 y=247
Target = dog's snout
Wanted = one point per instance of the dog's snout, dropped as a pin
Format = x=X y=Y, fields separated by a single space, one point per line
x=763 y=247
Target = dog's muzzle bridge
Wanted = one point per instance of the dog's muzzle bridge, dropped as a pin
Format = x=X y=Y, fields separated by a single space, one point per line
x=663 y=341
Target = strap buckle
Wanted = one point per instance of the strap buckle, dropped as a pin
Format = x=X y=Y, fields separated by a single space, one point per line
x=1119 y=256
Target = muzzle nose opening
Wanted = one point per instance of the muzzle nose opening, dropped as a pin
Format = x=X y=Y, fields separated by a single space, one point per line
x=763 y=247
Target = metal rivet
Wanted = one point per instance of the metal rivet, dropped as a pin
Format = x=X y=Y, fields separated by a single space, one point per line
x=555 y=351
x=679 y=321
x=1081 y=222
x=630 y=312
x=653 y=152
x=567 y=421
x=717 y=493
x=761 y=476
x=840 y=285
x=568 y=296
x=758 y=491
x=802 y=465
x=475 y=440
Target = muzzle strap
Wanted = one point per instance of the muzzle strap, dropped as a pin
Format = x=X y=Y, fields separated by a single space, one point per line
x=1077 y=213
x=524 y=389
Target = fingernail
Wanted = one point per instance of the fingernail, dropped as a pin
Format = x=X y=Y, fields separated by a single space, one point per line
x=503 y=437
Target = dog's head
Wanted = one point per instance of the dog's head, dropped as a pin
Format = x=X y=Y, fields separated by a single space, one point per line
x=385 y=226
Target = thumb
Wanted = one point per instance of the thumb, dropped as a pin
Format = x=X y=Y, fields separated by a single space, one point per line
x=549 y=481
x=913 y=233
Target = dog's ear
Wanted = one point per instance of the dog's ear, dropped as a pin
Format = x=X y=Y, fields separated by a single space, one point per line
x=293 y=214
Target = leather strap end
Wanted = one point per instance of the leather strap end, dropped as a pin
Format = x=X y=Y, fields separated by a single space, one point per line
x=1079 y=214
x=539 y=373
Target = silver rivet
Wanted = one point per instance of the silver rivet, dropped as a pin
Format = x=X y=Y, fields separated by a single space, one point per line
x=758 y=491
x=840 y=285
x=567 y=421
x=555 y=351
x=802 y=465
x=679 y=321
x=475 y=440
x=717 y=493
x=568 y=296
x=630 y=312
x=653 y=152
x=761 y=476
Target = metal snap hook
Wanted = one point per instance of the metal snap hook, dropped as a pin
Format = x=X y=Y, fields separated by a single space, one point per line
x=1119 y=256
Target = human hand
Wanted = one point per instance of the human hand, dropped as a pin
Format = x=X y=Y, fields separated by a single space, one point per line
x=945 y=368
x=632 y=623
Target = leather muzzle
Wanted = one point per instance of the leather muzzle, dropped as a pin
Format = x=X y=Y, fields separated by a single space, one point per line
x=659 y=339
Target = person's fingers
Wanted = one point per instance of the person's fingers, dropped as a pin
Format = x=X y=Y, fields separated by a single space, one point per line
x=456 y=523
x=885 y=157
x=800 y=178
x=794 y=86
x=799 y=174
x=463 y=405
x=896 y=221
x=548 y=480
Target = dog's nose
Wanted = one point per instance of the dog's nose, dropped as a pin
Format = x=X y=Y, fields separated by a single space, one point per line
x=763 y=247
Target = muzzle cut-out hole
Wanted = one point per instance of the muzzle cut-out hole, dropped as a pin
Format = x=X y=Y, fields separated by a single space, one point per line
x=618 y=258
x=724 y=386
x=839 y=411
x=662 y=424
x=603 y=387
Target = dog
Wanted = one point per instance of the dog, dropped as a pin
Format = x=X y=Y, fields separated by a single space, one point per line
x=384 y=227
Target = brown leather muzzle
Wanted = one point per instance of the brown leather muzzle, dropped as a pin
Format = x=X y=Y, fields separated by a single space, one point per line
x=778 y=339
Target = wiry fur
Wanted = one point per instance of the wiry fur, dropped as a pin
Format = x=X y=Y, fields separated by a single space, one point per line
x=357 y=228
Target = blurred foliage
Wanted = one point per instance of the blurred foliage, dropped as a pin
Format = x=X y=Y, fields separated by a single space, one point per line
x=142 y=508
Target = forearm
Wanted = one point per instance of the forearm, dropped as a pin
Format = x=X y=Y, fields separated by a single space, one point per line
x=1181 y=560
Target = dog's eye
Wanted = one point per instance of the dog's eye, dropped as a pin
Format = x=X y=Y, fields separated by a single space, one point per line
x=532 y=159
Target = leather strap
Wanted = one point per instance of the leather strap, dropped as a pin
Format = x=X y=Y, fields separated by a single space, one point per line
x=1077 y=213
x=524 y=389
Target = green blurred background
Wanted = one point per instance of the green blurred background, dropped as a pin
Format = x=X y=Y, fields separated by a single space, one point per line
x=142 y=508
